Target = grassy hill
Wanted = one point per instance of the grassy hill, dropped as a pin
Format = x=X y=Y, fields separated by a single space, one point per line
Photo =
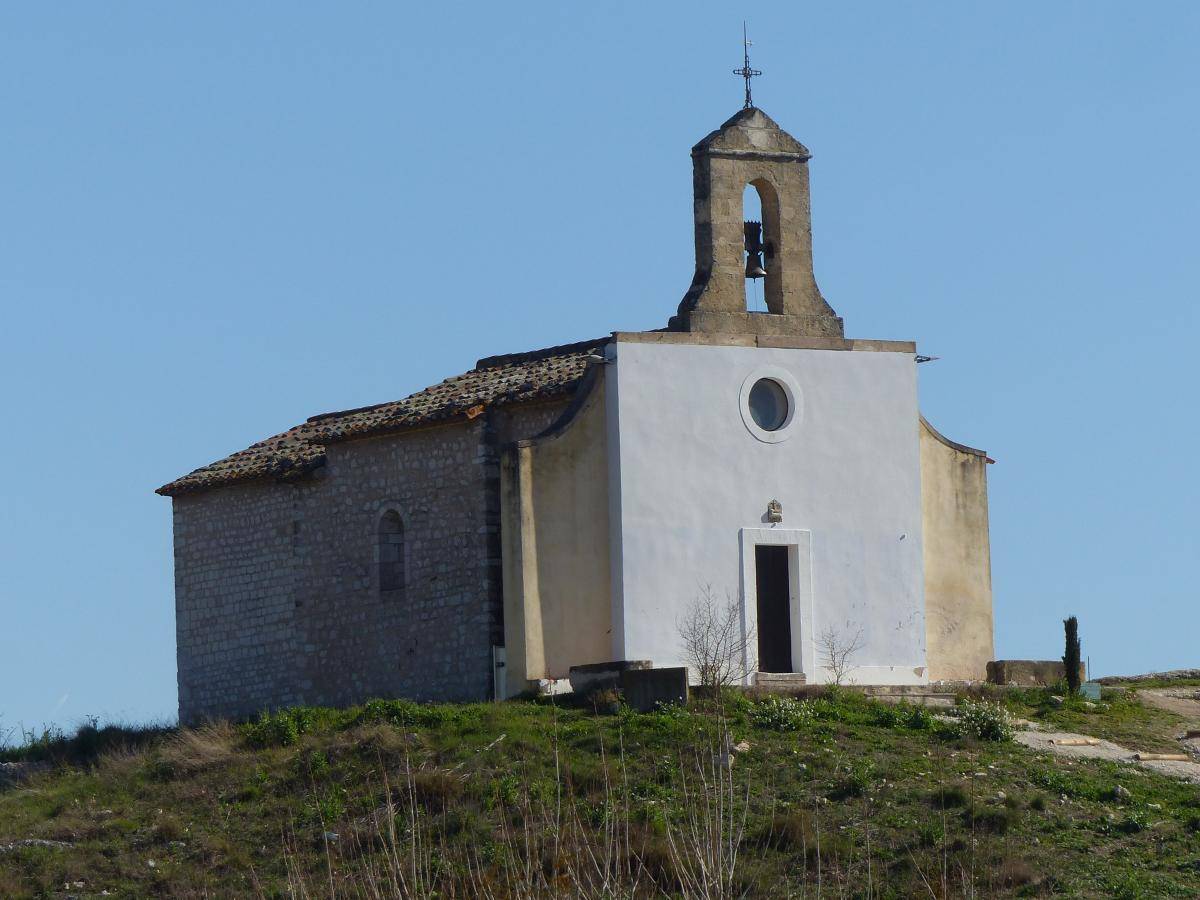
x=835 y=796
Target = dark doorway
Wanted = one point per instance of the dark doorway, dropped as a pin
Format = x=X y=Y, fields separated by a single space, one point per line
x=774 y=608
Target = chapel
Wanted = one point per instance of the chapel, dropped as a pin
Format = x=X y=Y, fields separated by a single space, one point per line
x=565 y=507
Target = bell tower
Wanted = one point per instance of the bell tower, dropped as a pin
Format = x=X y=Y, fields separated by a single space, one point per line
x=750 y=149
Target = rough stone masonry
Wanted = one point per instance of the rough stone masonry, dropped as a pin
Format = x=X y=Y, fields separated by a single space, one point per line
x=276 y=582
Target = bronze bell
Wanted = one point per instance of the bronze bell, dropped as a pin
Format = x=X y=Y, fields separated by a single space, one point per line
x=754 y=249
x=754 y=266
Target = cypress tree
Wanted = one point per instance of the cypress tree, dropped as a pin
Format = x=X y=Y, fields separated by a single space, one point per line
x=1071 y=657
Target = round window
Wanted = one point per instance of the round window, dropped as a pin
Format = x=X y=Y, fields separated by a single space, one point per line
x=768 y=404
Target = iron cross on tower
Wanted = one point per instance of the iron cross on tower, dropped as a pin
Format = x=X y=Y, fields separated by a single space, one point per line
x=745 y=71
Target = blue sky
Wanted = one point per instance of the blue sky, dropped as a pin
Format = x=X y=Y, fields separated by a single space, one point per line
x=217 y=220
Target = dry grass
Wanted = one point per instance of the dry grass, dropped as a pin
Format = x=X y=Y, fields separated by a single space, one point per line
x=535 y=800
x=565 y=843
x=193 y=750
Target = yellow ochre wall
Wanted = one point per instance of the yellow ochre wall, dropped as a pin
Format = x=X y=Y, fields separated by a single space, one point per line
x=554 y=539
x=958 y=567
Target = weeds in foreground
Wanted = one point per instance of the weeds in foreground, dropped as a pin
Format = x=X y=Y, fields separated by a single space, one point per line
x=829 y=796
x=549 y=844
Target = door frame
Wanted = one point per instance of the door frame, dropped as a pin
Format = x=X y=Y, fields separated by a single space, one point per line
x=800 y=594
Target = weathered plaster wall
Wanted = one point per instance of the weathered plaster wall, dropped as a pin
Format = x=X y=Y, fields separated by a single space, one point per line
x=276 y=585
x=556 y=551
x=692 y=475
x=958 y=569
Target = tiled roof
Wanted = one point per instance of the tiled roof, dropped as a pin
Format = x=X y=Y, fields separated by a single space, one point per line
x=515 y=378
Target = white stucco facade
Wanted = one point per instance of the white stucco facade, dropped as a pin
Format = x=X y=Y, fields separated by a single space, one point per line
x=690 y=478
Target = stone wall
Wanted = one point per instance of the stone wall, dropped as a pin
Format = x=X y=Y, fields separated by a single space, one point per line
x=277 y=594
x=958 y=568
x=234 y=577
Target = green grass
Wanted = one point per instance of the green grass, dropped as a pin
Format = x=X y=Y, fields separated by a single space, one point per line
x=1118 y=716
x=847 y=791
x=1159 y=683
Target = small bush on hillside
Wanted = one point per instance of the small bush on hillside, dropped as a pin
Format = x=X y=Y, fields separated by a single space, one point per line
x=984 y=721
x=782 y=714
x=409 y=714
x=855 y=780
x=736 y=702
x=279 y=729
x=606 y=701
x=1133 y=822
x=994 y=821
x=949 y=796
x=85 y=747
x=903 y=715
x=840 y=704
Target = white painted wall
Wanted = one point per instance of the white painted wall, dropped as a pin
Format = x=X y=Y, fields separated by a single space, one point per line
x=687 y=476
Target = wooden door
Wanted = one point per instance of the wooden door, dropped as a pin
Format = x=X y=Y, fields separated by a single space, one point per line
x=773 y=587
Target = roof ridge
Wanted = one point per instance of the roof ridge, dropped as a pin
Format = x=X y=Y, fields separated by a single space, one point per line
x=507 y=359
x=511 y=378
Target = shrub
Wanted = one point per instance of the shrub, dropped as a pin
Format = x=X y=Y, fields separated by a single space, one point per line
x=1134 y=822
x=984 y=721
x=787 y=831
x=855 y=781
x=949 y=796
x=930 y=834
x=994 y=821
x=903 y=715
x=435 y=789
x=279 y=729
x=782 y=714
x=1015 y=873
x=408 y=714
x=606 y=701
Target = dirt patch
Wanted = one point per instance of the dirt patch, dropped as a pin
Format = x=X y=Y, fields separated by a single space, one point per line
x=1045 y=741
x=1183 y=701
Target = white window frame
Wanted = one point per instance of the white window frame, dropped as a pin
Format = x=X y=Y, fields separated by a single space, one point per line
x=795 y=401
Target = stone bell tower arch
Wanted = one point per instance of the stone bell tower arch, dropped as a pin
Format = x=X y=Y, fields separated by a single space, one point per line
x=750 y=149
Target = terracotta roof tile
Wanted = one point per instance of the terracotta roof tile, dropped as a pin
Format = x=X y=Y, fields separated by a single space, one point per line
x=514 y=378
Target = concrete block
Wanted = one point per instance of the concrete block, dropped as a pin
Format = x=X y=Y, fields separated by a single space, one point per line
x=646 y=688
x=603 y=676
x=1029 y=672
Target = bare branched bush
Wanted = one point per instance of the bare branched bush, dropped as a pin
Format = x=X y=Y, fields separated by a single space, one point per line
x=548 y=845
x=838 y=649
x=707 y=836
x=561 y=842
x=715 y=642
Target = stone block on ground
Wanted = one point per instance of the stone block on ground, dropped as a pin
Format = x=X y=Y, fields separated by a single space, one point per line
x=603 y=676
x=1029 y=672
x=646 y=688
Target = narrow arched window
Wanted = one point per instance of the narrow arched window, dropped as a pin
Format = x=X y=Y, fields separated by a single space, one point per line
x=391 y=556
